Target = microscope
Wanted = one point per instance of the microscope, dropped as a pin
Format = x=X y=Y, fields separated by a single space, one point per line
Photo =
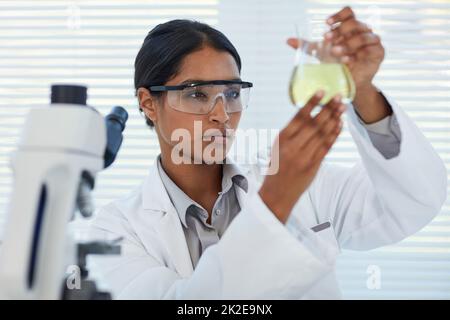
x=62 y=148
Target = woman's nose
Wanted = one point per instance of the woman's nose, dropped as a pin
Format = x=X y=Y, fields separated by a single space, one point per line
x=218 y=112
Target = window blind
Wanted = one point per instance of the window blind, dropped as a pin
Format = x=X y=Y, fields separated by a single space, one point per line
x=87 y=42
x=95 y=43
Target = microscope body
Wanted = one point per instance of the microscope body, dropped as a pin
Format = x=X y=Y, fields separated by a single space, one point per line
x=61 y=145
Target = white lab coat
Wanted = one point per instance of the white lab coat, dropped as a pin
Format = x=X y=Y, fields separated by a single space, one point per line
x=375 y=203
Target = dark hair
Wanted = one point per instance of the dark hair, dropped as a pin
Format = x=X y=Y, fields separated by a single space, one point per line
x=165 y=47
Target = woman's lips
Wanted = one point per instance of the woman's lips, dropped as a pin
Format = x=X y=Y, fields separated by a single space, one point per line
x=218 y=138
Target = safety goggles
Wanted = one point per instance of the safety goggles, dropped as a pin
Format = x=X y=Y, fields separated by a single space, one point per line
x=201 y=97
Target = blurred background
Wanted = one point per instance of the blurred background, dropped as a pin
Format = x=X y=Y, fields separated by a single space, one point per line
x=95 y=43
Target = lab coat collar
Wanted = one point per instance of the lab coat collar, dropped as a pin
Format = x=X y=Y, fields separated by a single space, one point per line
x=232 y=174
x=155 y=198
x=154 y=195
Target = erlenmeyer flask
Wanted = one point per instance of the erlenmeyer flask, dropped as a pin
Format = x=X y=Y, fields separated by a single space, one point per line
x=317 y=69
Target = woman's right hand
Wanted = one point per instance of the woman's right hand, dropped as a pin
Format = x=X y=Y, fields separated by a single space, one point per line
x=299 y=150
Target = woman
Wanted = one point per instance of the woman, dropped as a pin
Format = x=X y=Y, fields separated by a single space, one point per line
x=201 y=226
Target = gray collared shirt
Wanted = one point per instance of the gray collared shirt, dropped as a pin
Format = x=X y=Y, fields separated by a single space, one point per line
x=385 y=135
x=198 y=232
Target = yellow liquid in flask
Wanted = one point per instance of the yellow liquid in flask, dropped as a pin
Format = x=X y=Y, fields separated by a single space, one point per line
x=333 y=78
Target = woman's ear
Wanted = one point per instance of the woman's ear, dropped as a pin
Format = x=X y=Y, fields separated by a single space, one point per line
x=147 y=103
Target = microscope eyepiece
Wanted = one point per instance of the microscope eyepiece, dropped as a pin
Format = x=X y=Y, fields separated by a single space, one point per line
x=115 y=124
x=118 y=114
x=68 y=94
